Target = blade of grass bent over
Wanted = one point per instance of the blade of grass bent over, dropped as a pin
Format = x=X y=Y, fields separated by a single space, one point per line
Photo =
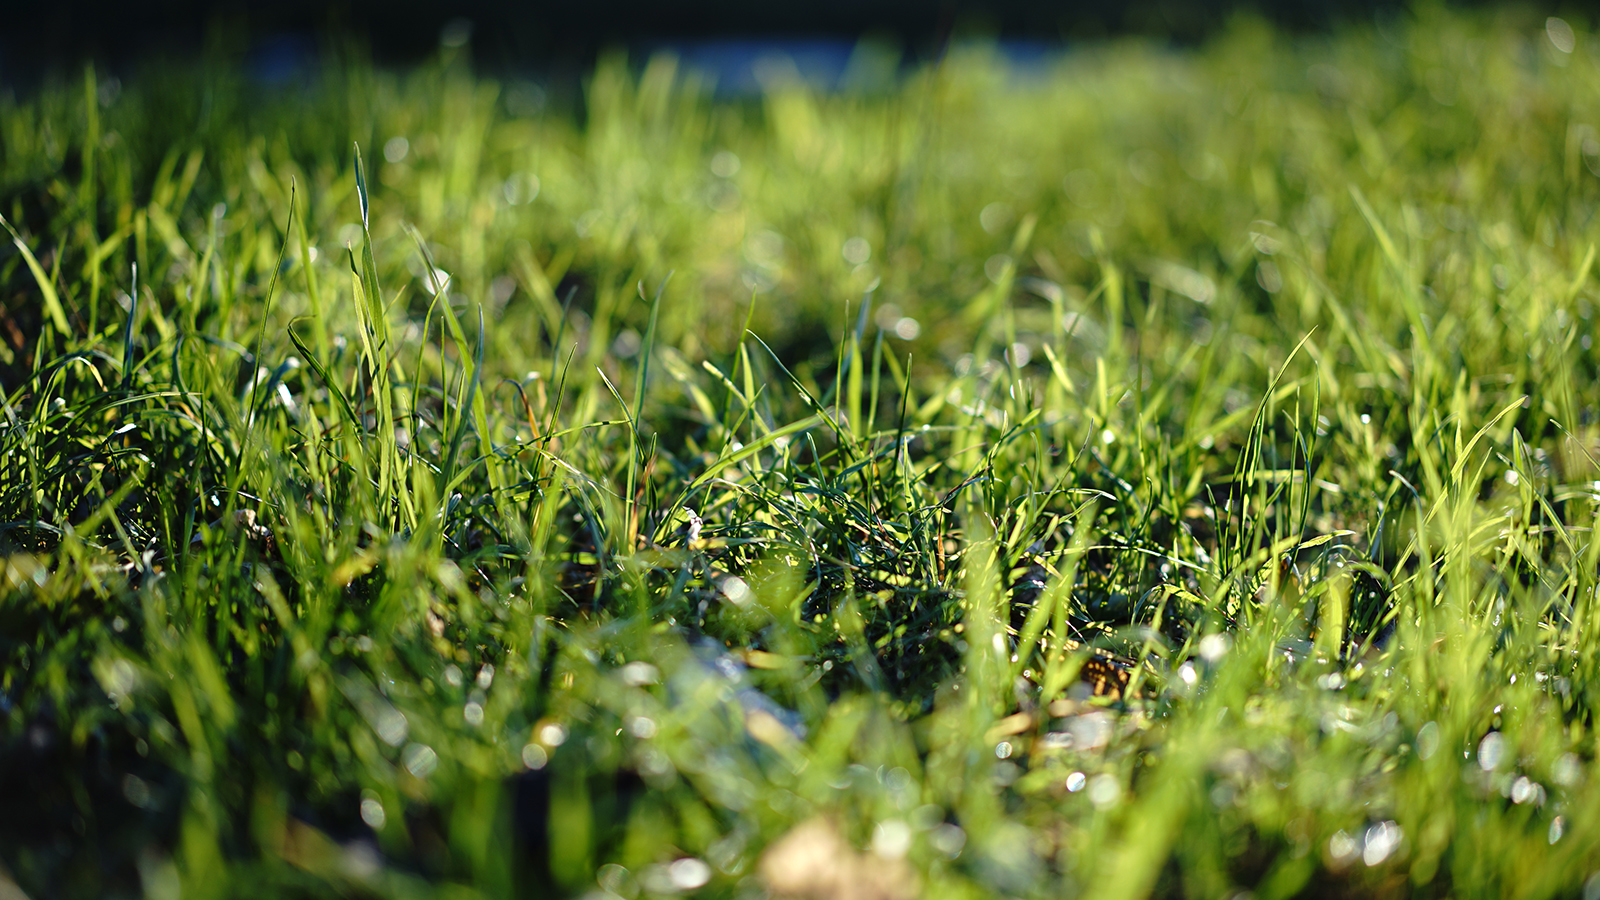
x=47 y=288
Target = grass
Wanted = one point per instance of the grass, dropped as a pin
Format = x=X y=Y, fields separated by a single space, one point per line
x=1169 y=474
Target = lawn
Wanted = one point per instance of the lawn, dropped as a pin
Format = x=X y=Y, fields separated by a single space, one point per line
x=1155 y=472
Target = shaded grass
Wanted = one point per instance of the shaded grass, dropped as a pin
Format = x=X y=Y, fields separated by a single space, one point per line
x=1171 y=475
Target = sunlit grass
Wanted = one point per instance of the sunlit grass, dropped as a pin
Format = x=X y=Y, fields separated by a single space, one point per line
x=1174 y=475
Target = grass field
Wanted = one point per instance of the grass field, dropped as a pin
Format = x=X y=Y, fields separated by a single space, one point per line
x=1170 y=473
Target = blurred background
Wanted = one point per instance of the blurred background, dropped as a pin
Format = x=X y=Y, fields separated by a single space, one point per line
x=559 y=42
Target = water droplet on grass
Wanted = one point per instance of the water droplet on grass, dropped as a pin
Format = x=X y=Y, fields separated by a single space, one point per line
x=949 y=839
x=891 y=839
x=1214 y=647
x=136 y=791
x=1567 y=770
x=372 y=813
x=534 y=756
x=420 y=760
x=689 y=873
x=1105 y=791
x=994 y=268
x=1380 y=841
x=1342 y=847
x=552 y=734
x=1491 y=750
x=994 y=217
x=725 y=164
x=639 y=674
x=1427 y=740
x=736 y=590
x=1560 y=34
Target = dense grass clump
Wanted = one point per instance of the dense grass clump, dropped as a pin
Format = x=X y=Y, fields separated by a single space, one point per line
x=1170 y=473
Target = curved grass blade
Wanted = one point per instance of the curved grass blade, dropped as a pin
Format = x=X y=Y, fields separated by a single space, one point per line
x=47 y=288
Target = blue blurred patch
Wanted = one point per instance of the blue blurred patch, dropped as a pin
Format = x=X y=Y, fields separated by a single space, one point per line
x=280 y=59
